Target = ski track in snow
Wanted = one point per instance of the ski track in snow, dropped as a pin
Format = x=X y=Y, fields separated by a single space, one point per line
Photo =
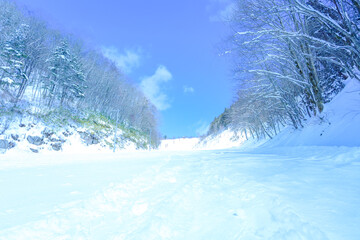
x=305 y=194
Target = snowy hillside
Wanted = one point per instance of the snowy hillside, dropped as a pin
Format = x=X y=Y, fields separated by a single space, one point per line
x=338 y=125
x=63 y=132
x=226 y=139
x=223 y=140
x=57 y=92
x=179 y=144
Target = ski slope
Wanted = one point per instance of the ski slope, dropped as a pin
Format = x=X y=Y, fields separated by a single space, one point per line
x=293 y=193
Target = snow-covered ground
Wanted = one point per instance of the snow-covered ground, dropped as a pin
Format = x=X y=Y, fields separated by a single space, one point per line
x=303 y=184
x=339 y=124
x=178 y=144
x=300 y=193
x=224 y=140
x=68 y=138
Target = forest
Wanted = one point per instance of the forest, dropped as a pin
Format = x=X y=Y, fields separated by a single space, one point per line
x=290 y=57
x=50 y=71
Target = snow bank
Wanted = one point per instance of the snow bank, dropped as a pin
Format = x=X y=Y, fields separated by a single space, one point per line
x=338 y=125
x=179 y=144
x=226 y=139
x=68 y=138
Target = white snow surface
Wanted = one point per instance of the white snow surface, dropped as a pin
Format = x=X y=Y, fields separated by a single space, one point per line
x=340 y=124
x=178 y=144
x=303 y=184
x=224 y=140
x=7 y=80
x=73 y=143
x=301 y=193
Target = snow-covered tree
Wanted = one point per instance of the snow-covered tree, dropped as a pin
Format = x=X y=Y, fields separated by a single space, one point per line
x=66 y=77
x=60 y=71
x=291 y=57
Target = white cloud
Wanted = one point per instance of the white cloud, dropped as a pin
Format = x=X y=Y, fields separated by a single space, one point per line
x=221 y=10
x=126 y=61
x=202 y=128
x=152 y=88
x=188 y=89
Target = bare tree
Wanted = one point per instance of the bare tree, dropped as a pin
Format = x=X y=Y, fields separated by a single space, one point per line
x=291 y=56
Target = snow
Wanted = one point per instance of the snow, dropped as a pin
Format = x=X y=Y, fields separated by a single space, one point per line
x=340 y=125
x=73 y=144
x=305 y=193
x=224 y=140
x=303 y=184
x=179 y=144
x=7 y=80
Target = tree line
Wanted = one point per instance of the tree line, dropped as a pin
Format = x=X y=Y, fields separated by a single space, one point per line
x=290 y=58
x=55 y=71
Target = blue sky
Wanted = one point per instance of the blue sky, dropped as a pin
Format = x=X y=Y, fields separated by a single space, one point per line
x=169 y=48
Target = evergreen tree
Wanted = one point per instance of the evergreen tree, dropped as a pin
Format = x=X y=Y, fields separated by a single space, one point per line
x=13 y=56
x=66 y=80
